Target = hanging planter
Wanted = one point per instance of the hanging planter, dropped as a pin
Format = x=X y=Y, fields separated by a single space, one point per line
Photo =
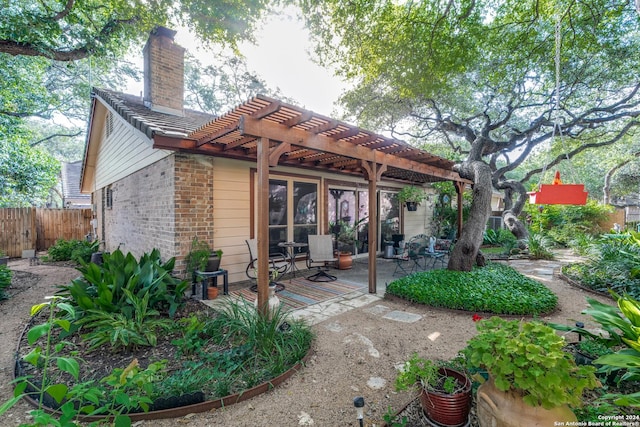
x=559 y=194
x=412 y=206
x=412 y=196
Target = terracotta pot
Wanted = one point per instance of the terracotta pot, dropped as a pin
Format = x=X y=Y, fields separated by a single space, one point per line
x=345 y=260
x=212 y=292
x=448 y=409
x=496 y=408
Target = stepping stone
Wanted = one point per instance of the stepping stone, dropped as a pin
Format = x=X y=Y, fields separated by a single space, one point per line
x=333 y=327
x=377 y=309
x=402 y=316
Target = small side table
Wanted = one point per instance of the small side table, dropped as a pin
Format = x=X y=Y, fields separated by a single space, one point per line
x=208 y=275
x=291 y=246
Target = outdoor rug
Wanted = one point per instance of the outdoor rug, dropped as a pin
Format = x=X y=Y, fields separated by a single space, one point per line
x=300 y=292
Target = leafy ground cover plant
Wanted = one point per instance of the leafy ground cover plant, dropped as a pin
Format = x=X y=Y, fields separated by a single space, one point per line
x=613 y=264
x=5 y=280
x=495 y=288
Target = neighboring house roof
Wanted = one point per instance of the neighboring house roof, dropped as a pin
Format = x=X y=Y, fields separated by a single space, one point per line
x=70 y=177
x=149 y=122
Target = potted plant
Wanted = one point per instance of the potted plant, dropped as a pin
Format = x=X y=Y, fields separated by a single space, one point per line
x=202 y=258
x=412 y=196
x=532 y=380
x=346 y=238
x=587 y=350
x=4 y=259
x=445 y=393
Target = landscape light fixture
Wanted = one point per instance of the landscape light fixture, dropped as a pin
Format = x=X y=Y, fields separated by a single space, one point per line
x=358 y=402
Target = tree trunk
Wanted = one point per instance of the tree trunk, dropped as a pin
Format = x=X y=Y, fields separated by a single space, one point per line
x=465 y=251
x=513 y=210
x=514 y=225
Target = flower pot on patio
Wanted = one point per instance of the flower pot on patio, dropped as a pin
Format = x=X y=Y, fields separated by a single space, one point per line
x=345 y=260
x=212 y=291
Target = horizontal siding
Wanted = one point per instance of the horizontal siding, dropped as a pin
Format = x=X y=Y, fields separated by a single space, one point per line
x=126 y=151
x=231 y=214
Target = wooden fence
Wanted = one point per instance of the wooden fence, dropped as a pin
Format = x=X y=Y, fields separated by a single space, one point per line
x=36 y=228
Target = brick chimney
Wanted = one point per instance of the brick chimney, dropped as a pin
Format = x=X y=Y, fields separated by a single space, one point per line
x=163 y=72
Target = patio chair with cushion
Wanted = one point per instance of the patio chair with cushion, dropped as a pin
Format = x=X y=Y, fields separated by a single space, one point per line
x=278 y=262
x=321 y=254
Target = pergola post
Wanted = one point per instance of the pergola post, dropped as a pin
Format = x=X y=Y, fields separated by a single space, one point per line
x=373 y=172
x=263 y=225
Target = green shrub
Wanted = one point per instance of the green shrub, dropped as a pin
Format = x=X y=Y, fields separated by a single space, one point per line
x=5 y=280
x=498 y=237
x=539 y=246
x=102 y=287
x=563 y=222
x=121 y=331
x=67 y=250
x=496 y=288
x=83 y=251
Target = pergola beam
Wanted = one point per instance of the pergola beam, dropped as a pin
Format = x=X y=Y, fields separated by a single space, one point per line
x=301 y=138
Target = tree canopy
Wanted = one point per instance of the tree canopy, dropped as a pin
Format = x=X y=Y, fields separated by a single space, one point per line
x=480 y=77
x=68 y=30
x=53 y=51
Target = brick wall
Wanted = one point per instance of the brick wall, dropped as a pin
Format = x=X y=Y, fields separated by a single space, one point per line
x=193 y=203
x=143 y=212
x=164 y=72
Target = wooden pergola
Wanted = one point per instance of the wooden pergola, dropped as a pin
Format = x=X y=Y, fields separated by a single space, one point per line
x=273 y=133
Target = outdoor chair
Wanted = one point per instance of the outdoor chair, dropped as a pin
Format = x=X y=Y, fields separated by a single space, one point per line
x=320 y=254
x=430 y=253
x=278 y=262
x=409 y=260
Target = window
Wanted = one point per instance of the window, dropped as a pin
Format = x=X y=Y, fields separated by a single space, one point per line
x=350 y=207
x=293 y=212
x=108 y=197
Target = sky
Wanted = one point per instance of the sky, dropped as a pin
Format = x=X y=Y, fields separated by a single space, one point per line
x=281 y=58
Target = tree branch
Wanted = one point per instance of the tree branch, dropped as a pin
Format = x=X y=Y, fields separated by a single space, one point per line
x=15 y=48
x=55 y=135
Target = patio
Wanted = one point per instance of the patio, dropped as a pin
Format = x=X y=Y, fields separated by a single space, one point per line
x=326 y=299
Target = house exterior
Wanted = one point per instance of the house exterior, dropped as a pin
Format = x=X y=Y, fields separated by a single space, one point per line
x=160 y=175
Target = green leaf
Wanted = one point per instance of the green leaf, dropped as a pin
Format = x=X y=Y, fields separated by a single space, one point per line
x=122 y=421
x=64 y=324
x=38 y=331
x=9 y=404
x=69 y=365
x=33 y=356
x=57 y=391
